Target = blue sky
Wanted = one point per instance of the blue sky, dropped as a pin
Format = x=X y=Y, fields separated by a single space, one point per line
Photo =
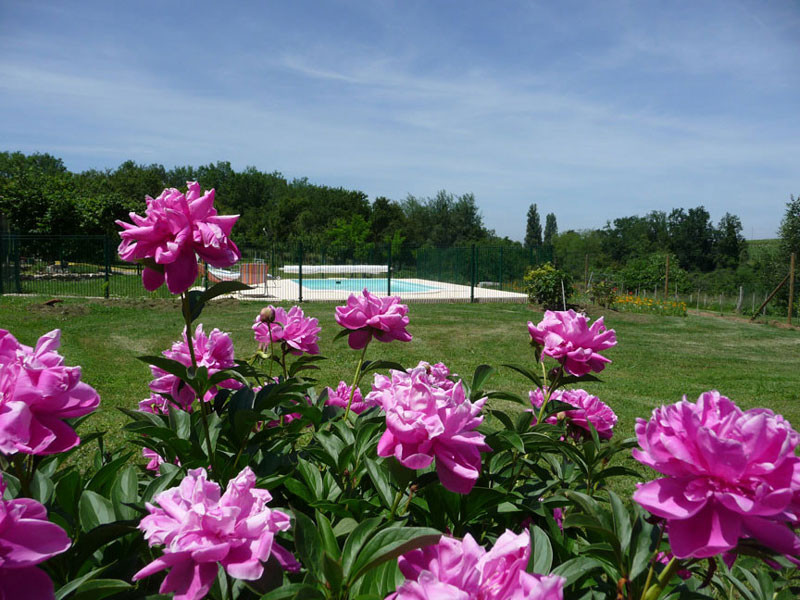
x=593 y=110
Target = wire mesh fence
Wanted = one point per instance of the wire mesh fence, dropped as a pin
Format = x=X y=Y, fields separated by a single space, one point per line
x=89 y=266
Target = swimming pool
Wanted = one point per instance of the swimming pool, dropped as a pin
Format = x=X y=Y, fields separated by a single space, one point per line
x=374 y=286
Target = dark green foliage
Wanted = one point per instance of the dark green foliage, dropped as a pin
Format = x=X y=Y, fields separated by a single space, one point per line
x=39 y=195
x=548 y=286
x=533 y=231
x=550 y=229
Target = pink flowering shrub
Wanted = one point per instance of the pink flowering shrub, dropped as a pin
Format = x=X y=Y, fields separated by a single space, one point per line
x=730 y=474
x=567 y=337
x=368 y=316
x=424 y=422
x=176 y=229
x=213 y=351
x=298 y=332
x=37 y=393
x=588 y=410
x=199 y=528
x=463 y=570
x=27 y=538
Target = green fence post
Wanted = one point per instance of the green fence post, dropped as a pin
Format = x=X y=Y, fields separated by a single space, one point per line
x=107 y=260
x=205 y=275
x=2 y=260
x=501 y=268
x=473 y=265
x=389 y=271
x=17 y=278
x=300 y=269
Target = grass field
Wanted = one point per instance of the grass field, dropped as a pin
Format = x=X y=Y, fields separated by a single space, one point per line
x=656 y=361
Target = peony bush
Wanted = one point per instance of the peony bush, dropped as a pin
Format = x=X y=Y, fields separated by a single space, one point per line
x=402 y=483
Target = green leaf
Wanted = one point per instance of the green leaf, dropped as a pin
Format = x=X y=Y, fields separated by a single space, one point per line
x=574 y=568
x=329 y=543
x=294 y=590
x=622 y=522
x=380 y=481
x=541 y=552
x=388 y=544
x=220 y=289
x=332 y=569
x=67 y=492
x=482 y=373
x=73 y=585
x=42 y=487
x=125 y=491
x=173 y=367
x=102 y=479
x=94 y=510
x=307 y=542
x=342 y=333
x=374 y=365
x=96 y=589
x=354 y=542
x=537 y=379
x=180 y=422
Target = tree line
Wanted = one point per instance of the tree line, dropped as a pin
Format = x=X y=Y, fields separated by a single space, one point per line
x=38 y=194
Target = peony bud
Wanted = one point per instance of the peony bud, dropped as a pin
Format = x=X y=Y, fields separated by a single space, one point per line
x=267 y=315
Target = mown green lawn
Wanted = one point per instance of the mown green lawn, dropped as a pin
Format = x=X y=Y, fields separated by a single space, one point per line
x=657 y=360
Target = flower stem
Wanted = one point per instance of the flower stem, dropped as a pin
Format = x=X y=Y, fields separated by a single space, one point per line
x=356 y=381
x=668 y=573
x=271 y=343
x=395 y=504
x=652 y=563
x=187 y=317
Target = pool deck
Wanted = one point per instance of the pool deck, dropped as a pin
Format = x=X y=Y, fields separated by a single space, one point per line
x=287 y=290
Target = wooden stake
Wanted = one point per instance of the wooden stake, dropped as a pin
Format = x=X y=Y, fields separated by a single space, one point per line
x=666 y=279
x=768 y=298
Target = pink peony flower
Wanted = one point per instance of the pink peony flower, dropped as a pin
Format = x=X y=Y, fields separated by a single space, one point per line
x=437 y=375
x=424 y=422
x=567 y=337
x=298 y=332
x=199 y=528
x=463 y=570
x=341 y=396
x=27 y=538
x=175 y=230
x=37 y=392
x=588 y=409
x=729 y=474
x=213 y=351
x=368 y=316
x=157 y=405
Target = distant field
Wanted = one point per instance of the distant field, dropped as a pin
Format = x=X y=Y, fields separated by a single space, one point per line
x=758 y=247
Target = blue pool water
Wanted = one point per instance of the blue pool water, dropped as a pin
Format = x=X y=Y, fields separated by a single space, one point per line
x=375 y=286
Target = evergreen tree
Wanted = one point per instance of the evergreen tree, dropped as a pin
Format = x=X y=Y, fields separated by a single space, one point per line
x=550 y=229
x=533 y=233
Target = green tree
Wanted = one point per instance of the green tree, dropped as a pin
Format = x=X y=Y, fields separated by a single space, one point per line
x=550 y=229
x=533 y=231
x=692 y=238
x=789 y=231
x=729 y=244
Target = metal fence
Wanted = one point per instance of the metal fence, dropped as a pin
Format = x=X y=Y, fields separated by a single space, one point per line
x=89 y=266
